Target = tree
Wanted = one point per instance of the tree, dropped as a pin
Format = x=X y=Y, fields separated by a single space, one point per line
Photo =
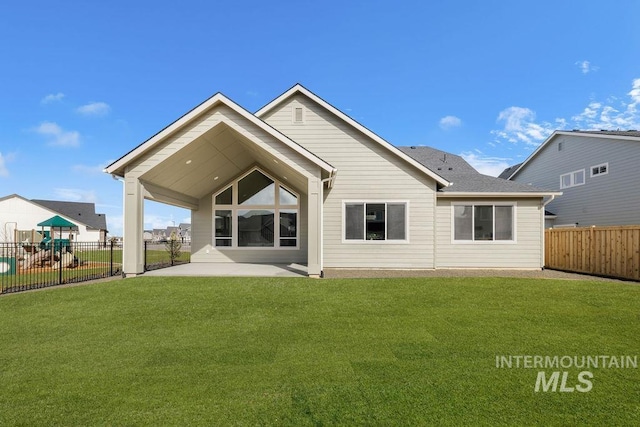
x=173 y=246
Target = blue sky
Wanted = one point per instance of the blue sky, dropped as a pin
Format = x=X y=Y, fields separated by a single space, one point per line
x=82 y=83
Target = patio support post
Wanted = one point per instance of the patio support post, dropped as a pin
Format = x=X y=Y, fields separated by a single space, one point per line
x=132 y=257
x=314 y=209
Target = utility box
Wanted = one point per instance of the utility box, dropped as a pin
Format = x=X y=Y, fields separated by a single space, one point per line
x=7 y=266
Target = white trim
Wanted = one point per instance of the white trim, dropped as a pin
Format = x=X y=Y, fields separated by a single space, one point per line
x=234 y=207
x=218 y=98
x=300 y=89
x=452 y=194
x=514 y=223
x=592 y=175
x=386 y=241
x=572 y=179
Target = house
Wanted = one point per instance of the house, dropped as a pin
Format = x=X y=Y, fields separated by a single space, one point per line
x=300 y=181
x=19 y=213
x=597 y=172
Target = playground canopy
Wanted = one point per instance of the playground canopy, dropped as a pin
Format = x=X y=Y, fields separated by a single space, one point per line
x=58 y=222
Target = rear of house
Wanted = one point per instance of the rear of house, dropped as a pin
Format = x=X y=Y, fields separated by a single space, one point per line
x=300 y=181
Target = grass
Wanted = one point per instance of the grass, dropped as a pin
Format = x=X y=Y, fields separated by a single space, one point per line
x=228 y=351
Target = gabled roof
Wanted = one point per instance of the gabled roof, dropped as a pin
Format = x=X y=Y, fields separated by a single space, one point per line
x=299 y=89
x=57 y=221
x=117 y=167
x=505 y=174
x=632 y=135
x=80 y=212
x=465 y=180
x=77 y=211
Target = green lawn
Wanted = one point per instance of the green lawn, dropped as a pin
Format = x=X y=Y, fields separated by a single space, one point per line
x=227 y=351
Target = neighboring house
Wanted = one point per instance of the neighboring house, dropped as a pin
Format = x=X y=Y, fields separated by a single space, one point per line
x=185 y=232
x=597 y=171
x=300 y=181
x=18 y=213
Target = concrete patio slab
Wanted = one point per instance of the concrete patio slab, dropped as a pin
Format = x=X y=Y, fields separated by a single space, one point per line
x=231 y=269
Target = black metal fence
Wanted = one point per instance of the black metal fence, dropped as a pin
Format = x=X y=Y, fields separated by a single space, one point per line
x=165 y=254
x=32 y=266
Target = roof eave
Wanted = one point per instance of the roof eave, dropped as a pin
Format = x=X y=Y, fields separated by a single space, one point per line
x=117 y=167
x=451 y=194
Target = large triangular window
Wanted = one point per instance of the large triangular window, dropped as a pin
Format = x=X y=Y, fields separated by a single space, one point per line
x=256 y=211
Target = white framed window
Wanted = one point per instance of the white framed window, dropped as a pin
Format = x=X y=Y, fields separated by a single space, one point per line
x=256 y=211
x=601 y=169
x=572 y=179
x=483 y=222
x=375 y=221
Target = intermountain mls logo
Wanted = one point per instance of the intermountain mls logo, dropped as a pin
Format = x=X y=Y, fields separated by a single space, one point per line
x=554 y=370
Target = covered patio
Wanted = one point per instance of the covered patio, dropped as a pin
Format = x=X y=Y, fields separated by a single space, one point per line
x=210 y=149
x=209 y=269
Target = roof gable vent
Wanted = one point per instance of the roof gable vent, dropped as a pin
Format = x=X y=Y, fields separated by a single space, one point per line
x=298 y=114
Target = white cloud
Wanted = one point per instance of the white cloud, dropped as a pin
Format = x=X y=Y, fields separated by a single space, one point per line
x=586 y=67
x=449 y=122
x=75 y=195
x=94 y=109
x=621 y=115
x=52 y=97
x=4 y=172
x=486 y=165
x=90 y=170
x=58 y=136
x=115 y=225
x=520 y=126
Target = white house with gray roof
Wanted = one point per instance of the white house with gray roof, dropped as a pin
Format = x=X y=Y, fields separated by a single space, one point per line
x=19 y=213
x=597 y=171
x=299 y=181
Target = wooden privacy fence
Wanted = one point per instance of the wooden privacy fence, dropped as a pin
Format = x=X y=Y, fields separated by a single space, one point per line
x=603 y=251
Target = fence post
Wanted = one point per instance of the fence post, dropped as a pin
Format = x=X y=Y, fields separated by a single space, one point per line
x=111 y=260
x=145 y=256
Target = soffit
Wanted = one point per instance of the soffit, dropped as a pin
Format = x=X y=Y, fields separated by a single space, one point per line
x=214 y=158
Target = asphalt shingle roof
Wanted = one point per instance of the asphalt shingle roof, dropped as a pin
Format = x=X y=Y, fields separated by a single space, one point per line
x=630 y=132
x=80 y=211
x=464 y=178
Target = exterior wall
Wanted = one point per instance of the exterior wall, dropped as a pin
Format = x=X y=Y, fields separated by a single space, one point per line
x=202 y=249
x=611 y=199
x=366 y=172
x=526 y=252
x=18 y=213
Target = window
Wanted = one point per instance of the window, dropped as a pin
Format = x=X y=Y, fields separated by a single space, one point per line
x=598 y=170
x=572 y=179
x=379 y=221
x=256 y=211
x=483 y=223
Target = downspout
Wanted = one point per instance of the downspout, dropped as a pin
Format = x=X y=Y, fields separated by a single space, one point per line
x=544 y=205
x=329 y=181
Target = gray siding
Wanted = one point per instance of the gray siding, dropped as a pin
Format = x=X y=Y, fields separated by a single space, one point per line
x=366 y=171
x=525 y=253
x=611 y=199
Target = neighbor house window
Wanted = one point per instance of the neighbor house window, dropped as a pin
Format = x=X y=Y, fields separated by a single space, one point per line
x=572 y=179
x=256 y=211
x=375 y=221
x=483 y=223
x=598 y=170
